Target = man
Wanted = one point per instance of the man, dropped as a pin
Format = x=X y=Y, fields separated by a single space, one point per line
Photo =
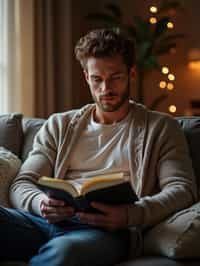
x=113 y=134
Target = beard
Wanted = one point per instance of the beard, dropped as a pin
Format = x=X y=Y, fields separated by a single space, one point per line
x=114 y=104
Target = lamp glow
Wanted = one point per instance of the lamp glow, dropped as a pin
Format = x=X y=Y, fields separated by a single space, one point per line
x=153 y=20
x=170 y=25
x=194 y=59
x=172 y=109
x=165 y=70
x=153 y=9
x=162 y=84
x=170 y=86
x=171 y=77
x=195 y=65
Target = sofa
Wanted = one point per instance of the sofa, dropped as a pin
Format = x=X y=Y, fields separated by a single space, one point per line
x=174 y=242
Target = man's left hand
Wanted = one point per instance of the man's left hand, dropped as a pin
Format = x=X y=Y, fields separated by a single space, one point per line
x=112 y=217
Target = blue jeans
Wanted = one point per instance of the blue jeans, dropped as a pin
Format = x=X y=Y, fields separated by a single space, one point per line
x=24 y=236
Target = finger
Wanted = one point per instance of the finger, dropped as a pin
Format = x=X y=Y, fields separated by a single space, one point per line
x=52 y=202
x=96 y=220
x=92 y=218
x=54 y=219
x=55 y=202
x=45 y=209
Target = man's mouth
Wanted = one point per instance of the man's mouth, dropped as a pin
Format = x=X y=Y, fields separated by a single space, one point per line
x=107 y=97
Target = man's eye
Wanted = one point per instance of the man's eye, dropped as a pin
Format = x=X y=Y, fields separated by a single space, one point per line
x=96 y=80
x=117 y=77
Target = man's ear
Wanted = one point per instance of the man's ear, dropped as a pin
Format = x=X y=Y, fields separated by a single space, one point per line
x=86 y=75
x=133 y=72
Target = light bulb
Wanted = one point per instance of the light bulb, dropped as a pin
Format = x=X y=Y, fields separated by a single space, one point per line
x=153 y=20
x=165 y=70
x=153 y=9
x=170 y=25
x=172 y=108
x=171 y=77
x=170 y=86
x=162 y=84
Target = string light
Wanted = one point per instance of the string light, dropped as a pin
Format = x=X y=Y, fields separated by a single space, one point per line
x=171 y=77
x=153 y=9
x=170 y=86
x=170 y=25
x=162 y=84
x=165 y=70
x=172 y=108
x=153 y=20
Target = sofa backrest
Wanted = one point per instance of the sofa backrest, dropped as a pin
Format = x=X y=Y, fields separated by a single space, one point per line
x=30 y=128
x=191 y=128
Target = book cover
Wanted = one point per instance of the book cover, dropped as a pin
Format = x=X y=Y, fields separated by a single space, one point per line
x=110 y=189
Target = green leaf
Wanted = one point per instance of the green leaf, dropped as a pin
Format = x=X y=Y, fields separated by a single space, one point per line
x=158 y=101
x=115 y=10
x=131 y=31
x=161 y=27
x=149 y=63
x=172 y=37
x=142 y=29
x=152 y=63
x=164 y=48
x=104 y=19
x=143 y=50
x=166 y=5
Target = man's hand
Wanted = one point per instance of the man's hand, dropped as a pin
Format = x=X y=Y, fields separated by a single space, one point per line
x=112 y=218
x=55 y=210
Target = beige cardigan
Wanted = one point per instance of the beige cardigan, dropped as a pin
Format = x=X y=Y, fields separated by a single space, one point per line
x=160 y=166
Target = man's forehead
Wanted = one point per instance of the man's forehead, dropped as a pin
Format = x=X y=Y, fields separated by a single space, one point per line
x=108 y=64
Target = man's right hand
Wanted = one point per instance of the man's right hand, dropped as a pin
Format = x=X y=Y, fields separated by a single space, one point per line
x=55 y=210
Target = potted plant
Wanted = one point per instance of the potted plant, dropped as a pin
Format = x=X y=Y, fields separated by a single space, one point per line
x=153 y=38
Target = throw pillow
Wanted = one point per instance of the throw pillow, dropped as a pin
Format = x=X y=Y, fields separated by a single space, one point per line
x=11 y=134
x=9 y=166
x=177 y=237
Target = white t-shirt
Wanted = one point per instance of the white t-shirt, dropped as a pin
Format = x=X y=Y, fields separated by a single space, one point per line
x=101 y=149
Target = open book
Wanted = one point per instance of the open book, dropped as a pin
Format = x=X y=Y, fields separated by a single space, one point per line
x=110 y=189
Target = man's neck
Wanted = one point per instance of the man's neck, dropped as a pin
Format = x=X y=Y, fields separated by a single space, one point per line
x=110 y=117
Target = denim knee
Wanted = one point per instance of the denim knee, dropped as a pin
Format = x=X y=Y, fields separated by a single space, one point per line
x=82 y=248
x=58 y=251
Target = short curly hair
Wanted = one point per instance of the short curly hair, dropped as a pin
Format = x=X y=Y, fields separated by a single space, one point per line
x=105 y=43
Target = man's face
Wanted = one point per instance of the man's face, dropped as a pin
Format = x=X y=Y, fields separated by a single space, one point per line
x=109 y=82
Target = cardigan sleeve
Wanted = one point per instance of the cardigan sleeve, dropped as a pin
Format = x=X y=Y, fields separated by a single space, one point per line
x=168 y=179
x=24 y=194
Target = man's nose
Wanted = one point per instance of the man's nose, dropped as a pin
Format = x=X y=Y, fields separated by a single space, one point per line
x=106 y=86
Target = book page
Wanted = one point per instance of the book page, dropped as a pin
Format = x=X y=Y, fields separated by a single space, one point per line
x=103 y=181
x=60 y=184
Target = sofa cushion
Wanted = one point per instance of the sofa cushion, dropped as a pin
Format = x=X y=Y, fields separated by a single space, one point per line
x=177 y=237
x=9 y=166
x=191 y=128
x=30 y=128
x=11 y=134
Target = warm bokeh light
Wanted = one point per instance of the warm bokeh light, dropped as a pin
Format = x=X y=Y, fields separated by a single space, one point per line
x=153 y=20
x=170 y=86
x=153 y=9
x=165 y=70
x=172 y=108
x=172 y=50
x=162 y=84
x=194 y=65
x=171 y=77
x=170 y=25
